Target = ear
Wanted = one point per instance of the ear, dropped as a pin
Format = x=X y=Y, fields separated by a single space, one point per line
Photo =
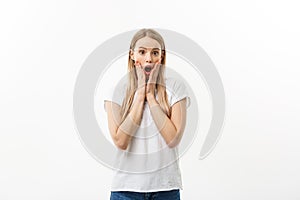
x=132 y=55
x=162 y=57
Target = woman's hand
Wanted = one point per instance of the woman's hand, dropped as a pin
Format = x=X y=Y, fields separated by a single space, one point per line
x=151 y=83
x=141 y=88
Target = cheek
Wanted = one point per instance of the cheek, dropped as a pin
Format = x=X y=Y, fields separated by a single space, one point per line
x=158 y=60
x=139 y=58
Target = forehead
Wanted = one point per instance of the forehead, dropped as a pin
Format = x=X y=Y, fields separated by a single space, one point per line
x=147 y=42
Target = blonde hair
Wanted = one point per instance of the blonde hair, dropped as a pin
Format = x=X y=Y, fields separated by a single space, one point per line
x=132 y=76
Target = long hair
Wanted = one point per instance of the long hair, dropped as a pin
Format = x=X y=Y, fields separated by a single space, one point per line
x=132 y=76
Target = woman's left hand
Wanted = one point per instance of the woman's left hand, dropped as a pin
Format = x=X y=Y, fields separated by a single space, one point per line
x=151 y=83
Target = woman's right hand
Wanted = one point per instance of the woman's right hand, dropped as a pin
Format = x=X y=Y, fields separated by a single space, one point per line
x=141 y=89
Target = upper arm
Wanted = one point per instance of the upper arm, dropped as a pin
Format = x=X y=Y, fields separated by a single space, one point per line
x=113 y=117
x=178 y=117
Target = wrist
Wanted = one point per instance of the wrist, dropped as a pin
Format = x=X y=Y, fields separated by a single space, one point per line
x=150 y=96
x=139 y=97
x=151 y=99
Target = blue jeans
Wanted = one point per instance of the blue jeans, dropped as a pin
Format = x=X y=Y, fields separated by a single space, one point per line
x=161 y=195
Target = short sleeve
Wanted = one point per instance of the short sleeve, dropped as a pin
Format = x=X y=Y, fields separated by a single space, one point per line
x=114 y=94
x=178 y=91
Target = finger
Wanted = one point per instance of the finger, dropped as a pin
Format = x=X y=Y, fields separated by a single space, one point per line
x=155 y=69
x=158 y=64
x=139 y=68
x=137 y=64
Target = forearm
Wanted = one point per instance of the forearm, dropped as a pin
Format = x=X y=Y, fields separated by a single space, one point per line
x=131 y=123
x=165 y=126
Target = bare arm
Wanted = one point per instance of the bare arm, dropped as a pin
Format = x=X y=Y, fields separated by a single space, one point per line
x=122 y=133
x=171 y=128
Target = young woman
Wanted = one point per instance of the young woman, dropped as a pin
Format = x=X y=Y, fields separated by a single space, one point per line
x=146 y=120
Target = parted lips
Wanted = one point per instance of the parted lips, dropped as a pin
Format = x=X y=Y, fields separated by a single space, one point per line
x=148 y=68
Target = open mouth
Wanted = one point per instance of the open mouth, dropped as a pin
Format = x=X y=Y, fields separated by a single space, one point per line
x=148 y=69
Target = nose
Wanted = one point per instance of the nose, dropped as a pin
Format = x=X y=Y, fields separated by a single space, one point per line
x=148 y=57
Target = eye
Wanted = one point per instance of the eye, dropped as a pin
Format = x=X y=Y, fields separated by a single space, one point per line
x=141 y=52
x=156 y=53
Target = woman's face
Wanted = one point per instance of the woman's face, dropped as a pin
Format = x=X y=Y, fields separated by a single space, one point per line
x=147 y=52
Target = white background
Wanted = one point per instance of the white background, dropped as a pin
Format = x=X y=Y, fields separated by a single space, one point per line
x=254 y=44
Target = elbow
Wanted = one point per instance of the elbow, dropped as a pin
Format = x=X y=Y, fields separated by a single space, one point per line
x=173 y=143
x=120 y=144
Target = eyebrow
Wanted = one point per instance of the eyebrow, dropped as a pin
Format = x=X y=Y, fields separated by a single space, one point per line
x=149 y=48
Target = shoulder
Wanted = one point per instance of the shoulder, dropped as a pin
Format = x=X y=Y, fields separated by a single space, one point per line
x=176 y=90
x=174 y=84
x=116 y=92
x=171 y=82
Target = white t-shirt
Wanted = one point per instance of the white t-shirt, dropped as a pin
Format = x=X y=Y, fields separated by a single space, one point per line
x=148 y=164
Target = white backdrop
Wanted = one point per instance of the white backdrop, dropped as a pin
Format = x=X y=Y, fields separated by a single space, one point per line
x=254 y=45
